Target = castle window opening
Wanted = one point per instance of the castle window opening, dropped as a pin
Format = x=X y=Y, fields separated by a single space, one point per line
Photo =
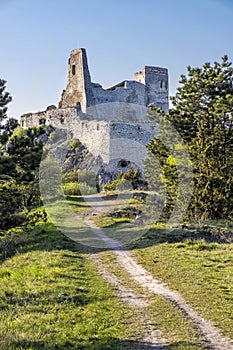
x=97 y=127
x=123 y=163
x=163 y=84
x=62 y=119
x=73 y=69
x=42 y=121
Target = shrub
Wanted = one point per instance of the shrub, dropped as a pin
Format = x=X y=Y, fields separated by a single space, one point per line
x=111 y=186
x=118 y=185
x=89 y=177
x=72 y=176
x=71 y=188
x=75 y=144
x=85 y=189
x=75 y=188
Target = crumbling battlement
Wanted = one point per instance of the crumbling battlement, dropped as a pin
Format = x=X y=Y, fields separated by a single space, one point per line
x=150 y=86
x=98 y=116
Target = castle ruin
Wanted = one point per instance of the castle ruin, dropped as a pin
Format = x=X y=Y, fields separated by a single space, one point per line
x=100 y=117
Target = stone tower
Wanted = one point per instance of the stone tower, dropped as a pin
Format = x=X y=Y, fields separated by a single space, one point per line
x=78 y=90
x=155 y=80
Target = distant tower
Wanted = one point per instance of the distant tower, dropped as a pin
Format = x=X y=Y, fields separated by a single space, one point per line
x=156 y=82
x=78 y=90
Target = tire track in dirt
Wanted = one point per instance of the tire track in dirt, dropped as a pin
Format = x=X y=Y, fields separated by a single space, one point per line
x=152 y=338
x=211 y=333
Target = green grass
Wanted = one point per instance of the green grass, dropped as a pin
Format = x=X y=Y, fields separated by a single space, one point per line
x=202 y=272
x=51 y=297
x=164 y=316
x=201 y=269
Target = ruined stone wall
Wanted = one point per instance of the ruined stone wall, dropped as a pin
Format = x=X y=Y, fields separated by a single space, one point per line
x=93 y=134
x=128 y=140
x=156 y=84
x=130 y=92
x=106 y=138
x=58 y=117
x=111 y=122
x=150 y=86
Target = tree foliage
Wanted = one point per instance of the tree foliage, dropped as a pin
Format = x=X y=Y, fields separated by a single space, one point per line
x=5 y=98
x=20 y=155
x=202 y=114
x=19 y=184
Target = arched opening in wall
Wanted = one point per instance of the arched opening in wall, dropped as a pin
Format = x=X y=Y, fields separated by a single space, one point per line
x=73 y=69
x=22 y=123
x=97 y=127
x=42 y=121
x=123 y=163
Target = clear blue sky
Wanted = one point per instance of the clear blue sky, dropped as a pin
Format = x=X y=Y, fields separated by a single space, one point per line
x=121 y=36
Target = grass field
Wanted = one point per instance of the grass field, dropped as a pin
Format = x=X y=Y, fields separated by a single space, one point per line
x=52 y=296
x=202 y=272
x=200 y=268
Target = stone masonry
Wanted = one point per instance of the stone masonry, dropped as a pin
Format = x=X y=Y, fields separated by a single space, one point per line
x=112 y=122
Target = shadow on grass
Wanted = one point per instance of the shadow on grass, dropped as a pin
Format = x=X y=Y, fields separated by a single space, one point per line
x=214 y=232
x=207 y=234
x=113 y=343
x=211 y=231
x=76 y=201
x=46 y=237
x=80 y=298
x=43 y=237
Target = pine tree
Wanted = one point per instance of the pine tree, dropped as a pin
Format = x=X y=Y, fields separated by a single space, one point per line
x=202 y=115
x=20 y=156
x=5 y=98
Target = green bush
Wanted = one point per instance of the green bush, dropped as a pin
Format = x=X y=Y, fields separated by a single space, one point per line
x=78 y=182
x=72 y=176
x=11 y=208
x=111 y=186
x=85 y=189
x=88 y=177
x=75 y=188
x=81 y=176
x=133 y=179
x=75 y=144
x=118 y=185
x=71 y=188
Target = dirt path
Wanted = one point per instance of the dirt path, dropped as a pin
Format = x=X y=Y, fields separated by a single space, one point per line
x=152 y=338
x=212 y=335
